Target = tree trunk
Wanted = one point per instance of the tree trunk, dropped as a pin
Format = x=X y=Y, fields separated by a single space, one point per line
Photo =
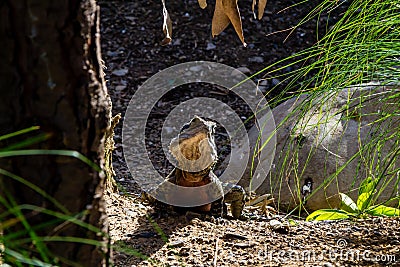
x=51 y=76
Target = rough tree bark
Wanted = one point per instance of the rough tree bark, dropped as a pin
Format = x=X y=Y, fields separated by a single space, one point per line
x=51 y=76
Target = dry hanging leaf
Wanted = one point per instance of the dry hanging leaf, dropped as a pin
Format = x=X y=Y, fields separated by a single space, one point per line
x=232 y=10
x=227 y=11
x=253 y=5
x=203 y=3
x=261 y=8
x=220 y=20
x=167 y=26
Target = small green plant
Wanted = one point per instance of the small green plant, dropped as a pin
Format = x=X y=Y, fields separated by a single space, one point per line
x=363 y=208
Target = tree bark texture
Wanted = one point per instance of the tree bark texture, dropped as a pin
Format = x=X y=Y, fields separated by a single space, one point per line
x=51 y=76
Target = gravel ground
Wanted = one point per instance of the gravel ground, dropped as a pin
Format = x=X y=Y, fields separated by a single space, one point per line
x=266 y=241
x=131 y=33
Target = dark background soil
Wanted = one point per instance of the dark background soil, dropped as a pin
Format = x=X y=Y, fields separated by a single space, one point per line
x=131 y=35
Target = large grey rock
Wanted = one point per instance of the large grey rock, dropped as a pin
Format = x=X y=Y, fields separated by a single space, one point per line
x=318 y=142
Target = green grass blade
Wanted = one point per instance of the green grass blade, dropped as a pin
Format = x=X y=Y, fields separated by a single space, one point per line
x=28 y=142
x=23 y=259
x=36 y=152
x=39 y=246
x=368 y=185
x=158 y=229
x=23 y=131
x=36 y=189
x=126 y=249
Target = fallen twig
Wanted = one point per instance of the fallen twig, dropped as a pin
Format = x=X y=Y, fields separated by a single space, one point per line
x=216 y=252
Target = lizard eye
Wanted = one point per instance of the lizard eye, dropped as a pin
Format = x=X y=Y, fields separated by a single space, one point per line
x=184 y=127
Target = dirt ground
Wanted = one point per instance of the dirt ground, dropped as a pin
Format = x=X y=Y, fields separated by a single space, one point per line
x=131 y=33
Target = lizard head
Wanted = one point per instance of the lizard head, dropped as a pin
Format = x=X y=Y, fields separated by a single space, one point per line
x=194 y=149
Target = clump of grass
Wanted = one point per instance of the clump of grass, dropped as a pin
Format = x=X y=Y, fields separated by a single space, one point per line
x=25 y=246
x=21 y=245
x=363 y=46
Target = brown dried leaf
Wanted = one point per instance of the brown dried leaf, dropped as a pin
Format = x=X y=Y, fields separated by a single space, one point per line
x=220 y=20
x=167 y=26
x=253 y=6
x=203 y=3
x=227 y=11
x=261 y=7
x=232 y=10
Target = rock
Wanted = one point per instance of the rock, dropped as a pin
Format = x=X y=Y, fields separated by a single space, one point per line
x=243 y=70
x=263 y=86
x=112 y=53
x=279 y=227
x=176 y=243
x=171 y=258
x=130 y=213
x=275 y=82
x=120 y=72
x=323 y=141
x=184 y=251
x=234 y=236
x=118 y=257
x=210 y=46
x=195 y=68
x=191 y=216
x=177 y=41
x=168 y=129
x=245 y=244
x=263 y=83
x=256 y=59
x=145 y=235
x=120 y=87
